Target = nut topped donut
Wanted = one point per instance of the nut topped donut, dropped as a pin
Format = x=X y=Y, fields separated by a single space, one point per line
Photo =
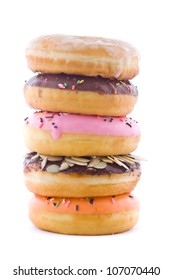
x=81 y=176
x=62 y=134
x=80 y=94
x=79 y=55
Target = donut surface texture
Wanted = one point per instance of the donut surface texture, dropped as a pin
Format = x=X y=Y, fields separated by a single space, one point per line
x=80 y=176
x=88 y=56
x=84 y=216
x=80 y=94
x=80 y=135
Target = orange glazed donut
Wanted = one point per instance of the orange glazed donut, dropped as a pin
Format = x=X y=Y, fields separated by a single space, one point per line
x=88 y=56
x=80 y=94
x=63 y=134
x=80 y=176
x=84 y=216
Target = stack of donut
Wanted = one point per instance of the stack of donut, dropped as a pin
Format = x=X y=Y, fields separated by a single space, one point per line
x=79 y=166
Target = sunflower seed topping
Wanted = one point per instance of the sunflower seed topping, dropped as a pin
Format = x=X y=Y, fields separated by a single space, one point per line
x=43 y=163
x=114 y=159
x=106 y=159
x=81 y=159
x=63 y=166
x=101 y=165
x=54 y=168
x=43 y=156
x=94 y=162
x=35 y=156
x=50 y=158
x=75 y=161
x=55 y=164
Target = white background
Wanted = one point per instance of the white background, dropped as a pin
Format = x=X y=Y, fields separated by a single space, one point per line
x=148 y=26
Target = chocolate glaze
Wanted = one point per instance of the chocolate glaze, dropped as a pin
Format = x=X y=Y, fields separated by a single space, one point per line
x=83 y=83
x=111 y=168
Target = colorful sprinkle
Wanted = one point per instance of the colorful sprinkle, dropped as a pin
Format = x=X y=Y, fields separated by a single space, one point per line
x=61 y=86
x=49 y=199
x=91 y=201
x=128 y=88
x=73 y=87
x=67 y=204
x=128 y=124
x=40 y=126
x=77 y=207
x=100 y=209
x=56 y=203
x=112 y=199
x=113 y=87
x=80 y=81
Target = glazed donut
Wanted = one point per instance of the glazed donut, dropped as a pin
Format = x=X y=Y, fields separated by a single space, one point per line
x=80 y=177
x=80 y=94
x=62 y=134
x=88 y=56
x=84 y=216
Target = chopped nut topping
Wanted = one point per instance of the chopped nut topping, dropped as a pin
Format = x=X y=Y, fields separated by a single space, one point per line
x=60 y=163
x=52 y=168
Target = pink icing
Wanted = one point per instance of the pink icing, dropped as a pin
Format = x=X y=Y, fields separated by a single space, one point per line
x=57 y=123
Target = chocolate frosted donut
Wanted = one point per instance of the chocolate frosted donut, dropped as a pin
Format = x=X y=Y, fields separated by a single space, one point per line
x=81 y=176
x=83 y=83
x=80 y=94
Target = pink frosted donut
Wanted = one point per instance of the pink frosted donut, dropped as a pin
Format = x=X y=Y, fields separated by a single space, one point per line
x=80 y=135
